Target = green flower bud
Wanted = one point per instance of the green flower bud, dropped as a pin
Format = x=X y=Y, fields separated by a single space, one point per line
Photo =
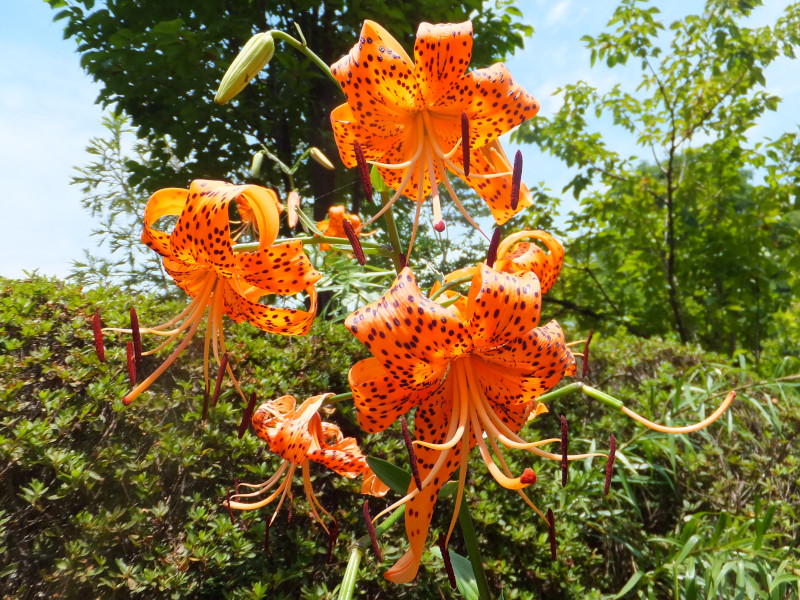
x=254 y=56
x=318 y=156
x=255 y=168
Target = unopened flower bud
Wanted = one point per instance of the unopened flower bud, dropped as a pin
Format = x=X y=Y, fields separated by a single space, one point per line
x=254 y=56
x=255 y=167
x=293 y=204
x=318 y=156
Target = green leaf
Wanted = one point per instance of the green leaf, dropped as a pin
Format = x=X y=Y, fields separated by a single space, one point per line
x=377 y=181
x=395 y=477
x=465 y=577
x=632 y=582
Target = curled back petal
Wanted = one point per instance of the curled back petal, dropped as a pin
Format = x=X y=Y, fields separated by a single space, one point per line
x=168 y=202
x=343 y=458
x=271 y=415
x=517 y=256
x=280 y=269
x=496 y=191
x=412 y=336
x=502 y=306
x=283 y=321
x=292 y=439
x=441 y=56
x=378 y=398
x=391 y=148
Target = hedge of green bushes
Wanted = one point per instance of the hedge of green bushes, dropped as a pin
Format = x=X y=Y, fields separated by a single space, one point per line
x=105 y=501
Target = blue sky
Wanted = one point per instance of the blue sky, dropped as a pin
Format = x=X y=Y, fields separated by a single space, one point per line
x=48 y=115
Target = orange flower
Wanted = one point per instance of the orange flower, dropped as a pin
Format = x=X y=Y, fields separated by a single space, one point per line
x=333 y=226
x=298 y=435
x=409 y=118
x=473 y=368
x=516 y=256
x=198 y=254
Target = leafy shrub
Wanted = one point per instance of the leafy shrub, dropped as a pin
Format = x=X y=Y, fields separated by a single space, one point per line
x=101 y=500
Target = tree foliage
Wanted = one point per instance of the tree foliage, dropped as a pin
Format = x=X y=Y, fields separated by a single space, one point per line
x=699 y=237
x=160 y=63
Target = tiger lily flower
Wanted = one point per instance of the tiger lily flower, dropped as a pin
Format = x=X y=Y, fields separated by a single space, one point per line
x=514 y=255
x=298 y=435
x=199 y=255
x=417 y=120
x=472 y=368
x=333 y=226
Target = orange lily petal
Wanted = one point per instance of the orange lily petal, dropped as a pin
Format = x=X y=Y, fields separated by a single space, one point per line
x=377 y=77
x=280 y=269
x=412 y=336
x=292 y=440
x=164 y=203
x=502 y=306
x=285 y=321
x=431 y=423
x=378 y=398
x=441 y=56
x=343 y=457
x=190 y=278
x=383 y=148
x=517 y=256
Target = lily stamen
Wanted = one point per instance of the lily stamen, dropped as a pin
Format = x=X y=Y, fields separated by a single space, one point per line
x=97 y=330
x=688 y=428
x=612 y=453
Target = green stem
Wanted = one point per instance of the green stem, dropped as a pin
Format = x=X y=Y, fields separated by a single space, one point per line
x=473 y=551
x=391 y=228
x=588 y=390
x=351 y=573
x=340 y=243
x=357 y=551
x=449 y=285
x=298 y=45
x=337 y=398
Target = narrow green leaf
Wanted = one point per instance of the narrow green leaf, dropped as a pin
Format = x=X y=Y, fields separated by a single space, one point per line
x=632 y=583
x=393 y=476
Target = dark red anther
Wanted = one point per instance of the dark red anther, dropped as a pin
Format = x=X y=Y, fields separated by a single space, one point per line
x=333 y=535
x=403 y=260
x=516 y=179
x=131 y=359
x=412 y=456
x=528 y=477
x=137 y=339
x=564 y=450
x=585 y=361
x=363 y=170
x=206 y=398
x=228 y=504
x=223 y=364
x=551 y=532
x=612 y=452
x=354 y=242
x=448 y=565
x=465 y=142
x=439 y=226
x=248 y=414
x=371 y=529
x=491 y=256
x=97 y=328
x=266 y=538
x=291 y=509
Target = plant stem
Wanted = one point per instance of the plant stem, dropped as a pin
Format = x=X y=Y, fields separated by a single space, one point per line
x=357 y=551
x=340 y=243
x=391 y=228
x=449 y=285
x=473 y=551
x=297 y=44
x=588 y=390
x=351 y=573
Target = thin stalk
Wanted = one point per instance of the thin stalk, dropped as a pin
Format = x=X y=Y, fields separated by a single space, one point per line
x=298 y=45
x=340 y=243
x=450 y=284
x=582 y=387
x=337 y=398
x=473 y=551
x=391 y=228
x=351 y=573
x=357 y=553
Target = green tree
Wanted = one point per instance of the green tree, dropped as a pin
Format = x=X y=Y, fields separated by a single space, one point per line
x=693 y=243
x=160 y=63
